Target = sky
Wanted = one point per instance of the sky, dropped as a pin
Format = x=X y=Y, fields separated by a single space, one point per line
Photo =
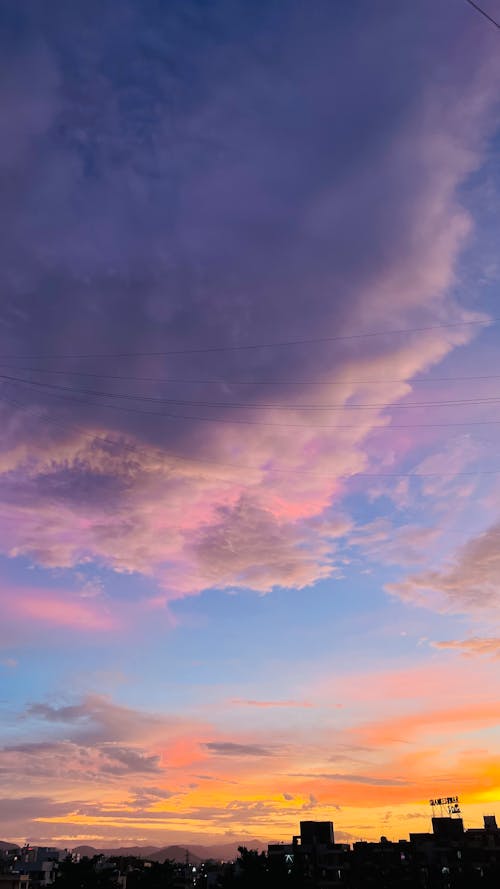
x=249 y=377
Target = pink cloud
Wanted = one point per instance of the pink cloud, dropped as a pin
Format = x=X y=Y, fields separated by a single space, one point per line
x=149 y=503
x=407 y=689
x=56 y=609
x=271 y=704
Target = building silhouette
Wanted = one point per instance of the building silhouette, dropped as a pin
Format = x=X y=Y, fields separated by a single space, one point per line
x=447 y=857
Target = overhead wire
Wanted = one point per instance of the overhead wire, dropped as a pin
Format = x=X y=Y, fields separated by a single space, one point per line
x=267 y=469
x=225 y=382
x=377 y=429
x=250 y=346
x=483 y=13
x=152 y=399
x=68 y=393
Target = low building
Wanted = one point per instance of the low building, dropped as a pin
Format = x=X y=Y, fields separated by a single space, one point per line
x=312 y=855
x=14 y=881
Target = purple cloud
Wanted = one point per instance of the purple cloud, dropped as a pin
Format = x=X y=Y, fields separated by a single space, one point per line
x=222 y=191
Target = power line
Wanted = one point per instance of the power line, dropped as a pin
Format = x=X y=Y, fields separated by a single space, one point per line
x=264 y=470
x=152 y=399
x=110 y=442
x=224 y=382
x=165 y=416
x=267 y=345
x=483 y=12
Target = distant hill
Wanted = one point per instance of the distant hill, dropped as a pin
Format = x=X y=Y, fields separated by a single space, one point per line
x=87 y=851
x=153 y=853
x=226 y=851
x=175 y=853
x=122 y=851
x=197 y=853
x=133 y=851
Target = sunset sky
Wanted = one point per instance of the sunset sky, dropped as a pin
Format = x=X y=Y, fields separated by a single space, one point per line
x=250 y=414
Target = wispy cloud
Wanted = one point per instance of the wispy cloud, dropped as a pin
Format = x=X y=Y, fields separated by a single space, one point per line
x=231 y=748
x=57 y=609
x=469 y=583
x=242 y=702
x=346 y=778
x=475 y=645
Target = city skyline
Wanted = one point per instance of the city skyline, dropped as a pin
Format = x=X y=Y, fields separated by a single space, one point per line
x=249 y=376
x=446 y=822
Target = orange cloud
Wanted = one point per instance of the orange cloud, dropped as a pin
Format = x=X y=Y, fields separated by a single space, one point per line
x=476 y=645
x=406 y=728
